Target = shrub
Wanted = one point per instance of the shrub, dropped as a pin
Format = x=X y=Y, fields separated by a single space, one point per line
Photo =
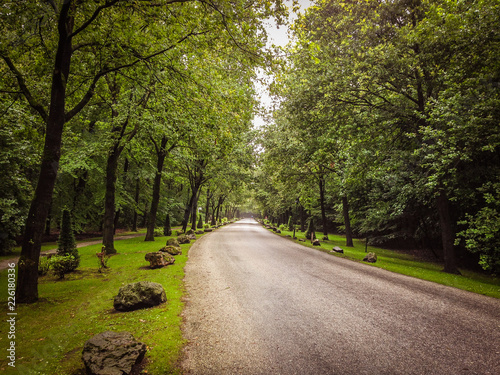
x=43 y=266
x=158 y=232
x=290 y=224
x=66 y=244
x=63 y=264
x=282 y=227
x=200 y=223
x=310 y=229
x=167 y=229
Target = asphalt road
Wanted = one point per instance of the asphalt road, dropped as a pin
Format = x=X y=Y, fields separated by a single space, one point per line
x=262 y=304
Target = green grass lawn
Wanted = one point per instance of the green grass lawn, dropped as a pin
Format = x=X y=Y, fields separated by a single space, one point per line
x=50 y=334
x=406 y=264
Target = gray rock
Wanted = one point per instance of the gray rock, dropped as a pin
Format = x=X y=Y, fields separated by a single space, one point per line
x=302 y=239
x=112 y=353
x=183 y=239
x=370 y=258
x=337 y=249
x=189 y=232
x=192 y=237
x=173 y=242
x=325 y=238
x=208 y=230
x=199 y=232
x=278 y=231
x=140 y=295
x=159 y=259
x=316 y=242
x=172 y=250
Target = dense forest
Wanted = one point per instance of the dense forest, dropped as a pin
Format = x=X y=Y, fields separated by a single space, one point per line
x=130 y=113
x=123 y=112
x=388 y=127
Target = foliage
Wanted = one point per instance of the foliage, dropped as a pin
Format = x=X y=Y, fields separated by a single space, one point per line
x=291 y=225
x=158 y=232
x=63 y=264
x=200 y=222
x=44 y=266
x=66 y=246
x=311 y=230
x=482 y=233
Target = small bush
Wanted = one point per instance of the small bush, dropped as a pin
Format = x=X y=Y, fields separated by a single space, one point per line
x=63 y=264
x=43 y=266
x=200 y=223
x=283 y=227
x=158 y=232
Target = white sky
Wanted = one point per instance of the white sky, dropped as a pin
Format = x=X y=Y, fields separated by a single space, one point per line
x=278 y=37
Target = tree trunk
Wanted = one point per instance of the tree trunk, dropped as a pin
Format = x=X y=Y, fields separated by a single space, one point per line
x=194 y=214
x=161 y=154
x=302 y=219
x=322 y=204
x=207 y=207
x=447 y=233
x=347 y=222
x=109 y=202
x=136 y=198
x=27 y=275
x=189 y=208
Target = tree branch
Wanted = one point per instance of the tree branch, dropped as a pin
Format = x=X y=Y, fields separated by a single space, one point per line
x=24 y=89
x=90 y=92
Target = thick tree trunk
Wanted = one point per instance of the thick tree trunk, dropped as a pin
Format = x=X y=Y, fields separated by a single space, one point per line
x=194 y=214
x=322 y=204
x=347 y=222
x=447 y=234
x=136 y=199
x=27 y=275
x=109 y=202
x=189 y=208
x=161 y=154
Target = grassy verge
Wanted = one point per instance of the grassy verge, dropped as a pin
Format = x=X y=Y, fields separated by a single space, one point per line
x=407 y=264
x=50 y=334
x=53 y=245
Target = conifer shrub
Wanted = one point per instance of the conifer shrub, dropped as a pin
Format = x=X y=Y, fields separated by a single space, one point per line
x=167 y=229
x=290 y=224
x=66 y=244
x=200 y=223
x=310 y=229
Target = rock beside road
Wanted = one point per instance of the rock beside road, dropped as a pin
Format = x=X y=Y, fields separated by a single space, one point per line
x=140 y=295
x=370 y=258
x=112 y=353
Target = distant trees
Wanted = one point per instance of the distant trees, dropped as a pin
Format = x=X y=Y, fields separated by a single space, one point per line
x=394 y=101
x=77 y=75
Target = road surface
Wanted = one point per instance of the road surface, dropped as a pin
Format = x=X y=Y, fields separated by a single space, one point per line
x=261 y=304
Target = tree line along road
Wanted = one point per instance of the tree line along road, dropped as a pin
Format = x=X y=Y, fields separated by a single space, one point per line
x=261 y=304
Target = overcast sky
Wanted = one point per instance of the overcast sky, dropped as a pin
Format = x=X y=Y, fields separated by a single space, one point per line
x=278 y=37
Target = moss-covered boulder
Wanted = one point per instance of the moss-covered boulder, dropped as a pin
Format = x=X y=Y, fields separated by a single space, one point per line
x=140 y=295
x=112 y=353
x=172 y=250
x=183 y=239
x=173 y=242
x=159 y=259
